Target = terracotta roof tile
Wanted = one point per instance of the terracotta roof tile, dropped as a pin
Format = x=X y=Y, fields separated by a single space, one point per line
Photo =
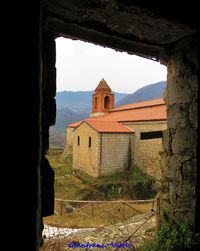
x=103 y=86
x=150 y=111
x=142 y=114
x=75 y=124
x=108 y=126
x=141 y=104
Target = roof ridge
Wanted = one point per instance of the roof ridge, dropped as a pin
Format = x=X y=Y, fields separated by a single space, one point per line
x=148 y=104
x=134 y=108
x=119 y=129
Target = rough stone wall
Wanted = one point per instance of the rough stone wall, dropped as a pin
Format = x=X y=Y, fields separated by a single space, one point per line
x=146 y=152
x=84 y=157
x=68 y=150
x=114 y=152
x=176 y=201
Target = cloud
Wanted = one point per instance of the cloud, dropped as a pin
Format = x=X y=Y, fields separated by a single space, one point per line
x=81 y=65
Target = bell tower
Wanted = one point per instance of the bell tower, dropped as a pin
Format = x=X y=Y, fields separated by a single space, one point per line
x=102 y=99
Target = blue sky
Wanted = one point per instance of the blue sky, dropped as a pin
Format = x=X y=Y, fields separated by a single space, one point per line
x=81 y=65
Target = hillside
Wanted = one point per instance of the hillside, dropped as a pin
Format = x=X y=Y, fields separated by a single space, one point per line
x=73 y=184
x=80 y=101
x=64 y=117
x=147 y=92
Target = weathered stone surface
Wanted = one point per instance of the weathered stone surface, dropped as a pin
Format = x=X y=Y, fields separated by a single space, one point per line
x=177 y=198
x=179 y=92
x=178 y=116
x=166 y=141
x=184 y=141
x=193 y=114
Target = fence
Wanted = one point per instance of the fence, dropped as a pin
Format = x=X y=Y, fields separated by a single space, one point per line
x=78 y=212
x=99 y=214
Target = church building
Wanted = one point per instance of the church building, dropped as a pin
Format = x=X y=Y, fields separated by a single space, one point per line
x=113 y=139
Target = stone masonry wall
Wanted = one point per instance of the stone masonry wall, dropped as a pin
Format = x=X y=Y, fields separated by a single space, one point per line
x=84 y=157
x=146 y=152
x=176 y=201
x=68 y=150
x=114 y=152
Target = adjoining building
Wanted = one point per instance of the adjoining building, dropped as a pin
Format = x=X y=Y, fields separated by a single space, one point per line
x=113 y=139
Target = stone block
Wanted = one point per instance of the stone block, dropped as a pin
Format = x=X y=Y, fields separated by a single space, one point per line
x=193 y=114
x=184 y=141
x=178 y=116
x=179 y=91
x=165 y=141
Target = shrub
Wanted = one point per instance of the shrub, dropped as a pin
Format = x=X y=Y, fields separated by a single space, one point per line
x=174 y=238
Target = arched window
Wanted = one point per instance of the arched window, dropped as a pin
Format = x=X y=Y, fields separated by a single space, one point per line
x=78 y=141
x=95 y=103
x=106 y=102
x=90 y=142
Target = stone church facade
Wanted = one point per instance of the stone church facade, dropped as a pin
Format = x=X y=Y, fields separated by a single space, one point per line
x=113 y=139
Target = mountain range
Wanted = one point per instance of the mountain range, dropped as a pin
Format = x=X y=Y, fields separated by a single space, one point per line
x=147 y=92
x=75 y=106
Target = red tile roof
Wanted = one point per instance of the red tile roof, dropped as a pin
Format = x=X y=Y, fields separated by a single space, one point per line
x=103 y=86
x=142 y=114
x=75 y=124
x=141 y=104
x=151 y=110
x=107 y=126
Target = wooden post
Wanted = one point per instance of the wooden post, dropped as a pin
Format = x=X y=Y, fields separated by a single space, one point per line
x=92 y=210
x=123 y=211
x=60 y=207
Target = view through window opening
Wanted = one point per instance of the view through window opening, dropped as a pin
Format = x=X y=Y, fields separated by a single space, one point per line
x=112 y=137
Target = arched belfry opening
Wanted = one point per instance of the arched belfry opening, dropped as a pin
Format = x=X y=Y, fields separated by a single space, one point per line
x=107 y=102
x=102 y=99
x=95 y=103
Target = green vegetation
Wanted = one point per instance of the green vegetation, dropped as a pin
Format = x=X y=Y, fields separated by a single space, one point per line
x=131 y=184
x=174 y=238
x=70 y=184
x=76 y=185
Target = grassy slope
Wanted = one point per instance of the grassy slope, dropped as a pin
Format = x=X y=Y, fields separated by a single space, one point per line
x=80 y=186
x=70 y=185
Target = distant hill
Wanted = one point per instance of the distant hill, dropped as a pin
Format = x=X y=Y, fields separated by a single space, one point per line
x=147 y=92
x=81 y=101
x=64 y=117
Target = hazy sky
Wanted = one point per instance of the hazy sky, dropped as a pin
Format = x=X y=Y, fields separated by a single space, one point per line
x=80 y=67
